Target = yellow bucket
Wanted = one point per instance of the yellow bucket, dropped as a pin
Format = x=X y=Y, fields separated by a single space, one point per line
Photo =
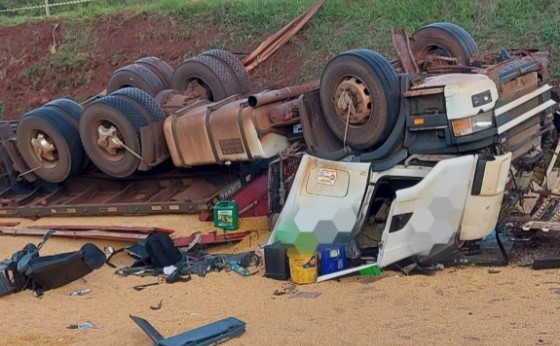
x=303 y=267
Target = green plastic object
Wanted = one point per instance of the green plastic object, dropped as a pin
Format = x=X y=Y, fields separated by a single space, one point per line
x=226 y=215
x=371 y=271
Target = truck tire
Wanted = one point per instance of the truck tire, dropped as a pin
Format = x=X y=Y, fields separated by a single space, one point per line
x=235 y=66
x=121 y=116
x=68 y=109
x=159 y=67
x=317 y=134
x=50 y=142
x=143 y=100
x=444 y=39
x=210 y=74
x=136 y=76
x=367 y=79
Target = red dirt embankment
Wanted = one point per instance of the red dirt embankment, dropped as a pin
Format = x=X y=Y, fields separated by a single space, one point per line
x=31 y=74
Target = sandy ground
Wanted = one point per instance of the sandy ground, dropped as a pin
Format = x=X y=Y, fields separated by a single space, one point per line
x=458 y=306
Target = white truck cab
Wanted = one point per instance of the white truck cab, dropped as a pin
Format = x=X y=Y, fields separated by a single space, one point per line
x=412 y=158
x=406 y=211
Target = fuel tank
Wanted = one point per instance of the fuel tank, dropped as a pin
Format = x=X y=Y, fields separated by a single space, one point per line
x=226 y=131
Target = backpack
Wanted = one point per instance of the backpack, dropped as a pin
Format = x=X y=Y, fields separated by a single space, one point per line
x=156 y=251
x=162 y=250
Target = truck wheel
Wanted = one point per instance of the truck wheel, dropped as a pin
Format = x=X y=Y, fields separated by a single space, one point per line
x=235 y=66
x=136 y=76
x=359 y=93
x=143 y=100
x=106 y=125
x=205 y=78
x=159 y=67
x=68 y=109
x=50 y=145
x=445 y=40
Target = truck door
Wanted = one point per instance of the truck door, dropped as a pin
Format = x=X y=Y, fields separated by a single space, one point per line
x=427 y=216
x=322 y=205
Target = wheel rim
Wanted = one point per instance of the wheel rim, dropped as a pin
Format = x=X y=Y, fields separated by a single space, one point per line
x=353 y=102
x=109 y=139
x=435 y=51
x=44 y=149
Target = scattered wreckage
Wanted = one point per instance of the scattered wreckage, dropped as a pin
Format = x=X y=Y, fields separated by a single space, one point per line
x=406 y=160
x=26 y=269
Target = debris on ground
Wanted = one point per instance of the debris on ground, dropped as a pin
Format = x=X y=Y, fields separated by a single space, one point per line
x=80 y=292
x=209 y=334
x=81 y=326
x=156 y=307
x=306 y=295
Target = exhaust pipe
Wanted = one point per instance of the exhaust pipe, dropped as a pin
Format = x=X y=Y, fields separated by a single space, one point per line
x=267 y=97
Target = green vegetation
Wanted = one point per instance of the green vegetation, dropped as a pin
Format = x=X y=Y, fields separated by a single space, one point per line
x=33 y=73
x=77 y=48
x=119 y=57
x=183 y=34
x=3 y=109
x=151 y=34
x=338 y=26
x=76 y=11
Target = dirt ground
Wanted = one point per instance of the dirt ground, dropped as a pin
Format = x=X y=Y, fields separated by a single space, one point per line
x=458 y=306
x=28 y=78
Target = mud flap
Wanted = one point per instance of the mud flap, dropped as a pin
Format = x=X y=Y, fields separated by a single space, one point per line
x=154 y=148
x=17 y=162
x=209 y=334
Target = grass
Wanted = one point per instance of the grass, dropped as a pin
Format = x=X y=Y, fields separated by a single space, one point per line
x=77 y=47
x=3 y=109
x=182 y=34
x=151 y=34
x=119 y=57
x=341 y=25
x=32 y=73
x=338 y=26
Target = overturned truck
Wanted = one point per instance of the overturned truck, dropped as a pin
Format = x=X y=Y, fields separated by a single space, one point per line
x=424 y=146
x=408 y=158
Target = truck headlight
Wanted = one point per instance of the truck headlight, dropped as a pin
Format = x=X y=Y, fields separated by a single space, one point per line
x=466 y=126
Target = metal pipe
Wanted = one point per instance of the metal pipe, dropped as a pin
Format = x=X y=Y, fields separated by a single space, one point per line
x=280 y=94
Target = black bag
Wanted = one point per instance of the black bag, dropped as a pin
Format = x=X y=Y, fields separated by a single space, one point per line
x=48 y=272
x=162 y=250
x=26 y=269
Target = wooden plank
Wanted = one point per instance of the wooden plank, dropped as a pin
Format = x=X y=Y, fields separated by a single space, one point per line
x=211 y=238
x=272 y=43
x=132 y=229
x=91 y=234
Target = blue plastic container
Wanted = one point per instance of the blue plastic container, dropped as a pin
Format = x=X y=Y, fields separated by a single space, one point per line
x=332 y=258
